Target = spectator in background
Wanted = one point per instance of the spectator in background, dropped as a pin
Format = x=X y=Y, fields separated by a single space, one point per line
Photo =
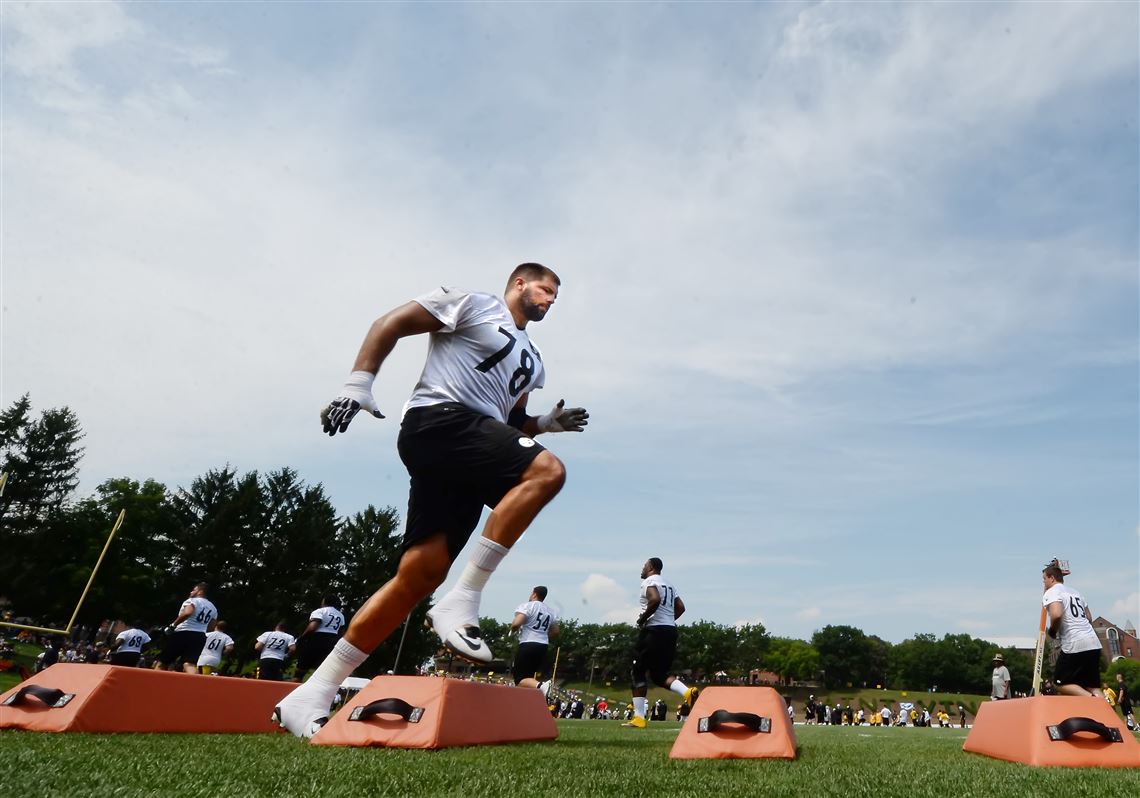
x=999 y=679
x=1124 y=701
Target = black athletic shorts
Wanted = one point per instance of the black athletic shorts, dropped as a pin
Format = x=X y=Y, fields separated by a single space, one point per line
x=313 y=650
x=129 y=659
x=530 y=662
x=653 y=654
x=269 y=669
x=1081 y=668
x=185 y=645
x=459 y=462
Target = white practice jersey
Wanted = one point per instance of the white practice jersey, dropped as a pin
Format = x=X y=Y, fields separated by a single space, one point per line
x=1076 y=634
x=664 y=615
x=133 y=640
x=204 y=612
x=275 y=645
x=216 y=645
x=479 y=358
x=330 y=618
x=539 y=619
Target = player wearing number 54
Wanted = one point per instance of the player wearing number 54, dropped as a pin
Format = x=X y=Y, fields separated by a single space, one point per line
x=467 y=442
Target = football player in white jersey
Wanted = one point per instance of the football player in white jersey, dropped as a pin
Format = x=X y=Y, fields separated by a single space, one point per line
x=656 y=642
x=315 y=643
x=128 y=646
x=1077 y=671
x=536 y=623
x=218 y=644
x=467 y=442
x=186 y=636
x=274 y=647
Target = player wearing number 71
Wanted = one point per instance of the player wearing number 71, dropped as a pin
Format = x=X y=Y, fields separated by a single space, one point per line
x=467 y=442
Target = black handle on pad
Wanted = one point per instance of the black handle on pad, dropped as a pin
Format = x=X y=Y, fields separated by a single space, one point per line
x=721 y=717
x=51 y=697
x=1067 y=728
x=388 y=706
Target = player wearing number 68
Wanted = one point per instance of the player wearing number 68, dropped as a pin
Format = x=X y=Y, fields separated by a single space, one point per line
x=468 y=442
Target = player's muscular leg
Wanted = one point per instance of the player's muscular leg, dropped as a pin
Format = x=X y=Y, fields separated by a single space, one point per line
x=422 y=569
x=540 y=483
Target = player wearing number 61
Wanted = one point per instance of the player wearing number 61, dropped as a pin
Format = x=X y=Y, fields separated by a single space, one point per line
x=467 y=442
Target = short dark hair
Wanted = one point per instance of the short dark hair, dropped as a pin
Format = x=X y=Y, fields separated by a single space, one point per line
x=331 y=600
x=540 y=591
x=656 y=563
x=1055 y=572
x=220 y=626
x=203 y=587
x=532 y=271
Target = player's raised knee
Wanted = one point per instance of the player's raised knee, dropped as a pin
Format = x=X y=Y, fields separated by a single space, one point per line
x=548 y=472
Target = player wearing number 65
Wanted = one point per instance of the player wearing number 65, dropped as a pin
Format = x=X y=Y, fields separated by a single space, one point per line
x=467 y=442
x=1077 y=671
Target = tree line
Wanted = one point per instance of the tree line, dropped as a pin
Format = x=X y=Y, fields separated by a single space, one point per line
x=271 y=545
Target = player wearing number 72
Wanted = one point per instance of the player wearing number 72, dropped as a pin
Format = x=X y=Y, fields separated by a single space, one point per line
x=467 y=442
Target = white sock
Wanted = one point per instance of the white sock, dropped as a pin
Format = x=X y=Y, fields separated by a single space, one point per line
x=678 y=687
x=339 y=664
x=640 y=706
x=484 y=560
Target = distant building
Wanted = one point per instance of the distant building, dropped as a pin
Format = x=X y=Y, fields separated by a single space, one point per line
x=1117 y=642
x=758 y=676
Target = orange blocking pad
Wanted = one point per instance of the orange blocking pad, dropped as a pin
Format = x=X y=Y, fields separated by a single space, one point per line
x=110 y=698
x=737 y=723
x=428 y=712
x=1067 y=731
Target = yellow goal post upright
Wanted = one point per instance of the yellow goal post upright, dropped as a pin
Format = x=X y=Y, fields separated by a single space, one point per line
x=67 y=630
x=1039 y=656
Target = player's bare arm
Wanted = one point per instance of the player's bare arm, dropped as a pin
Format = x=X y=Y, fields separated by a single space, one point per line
x=559 y=419
x=184 y=613
x=406 y=320
x=518 y=621
x=652 y=602
x=554 y=630
x=1056 y=612
x=312 y=627
x=678 y=608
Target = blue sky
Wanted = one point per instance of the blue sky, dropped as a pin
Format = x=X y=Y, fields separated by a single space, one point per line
x=850 y=290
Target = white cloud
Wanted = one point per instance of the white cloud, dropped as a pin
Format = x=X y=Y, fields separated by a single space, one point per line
x=1125 y=609
x=809 y=614
x=607 y=599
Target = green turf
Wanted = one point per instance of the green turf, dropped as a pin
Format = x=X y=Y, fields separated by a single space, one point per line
x=590 y=758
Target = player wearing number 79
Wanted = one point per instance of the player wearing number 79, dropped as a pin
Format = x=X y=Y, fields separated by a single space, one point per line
x=467 y=442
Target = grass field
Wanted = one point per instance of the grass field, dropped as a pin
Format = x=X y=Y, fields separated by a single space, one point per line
x=590 y=758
